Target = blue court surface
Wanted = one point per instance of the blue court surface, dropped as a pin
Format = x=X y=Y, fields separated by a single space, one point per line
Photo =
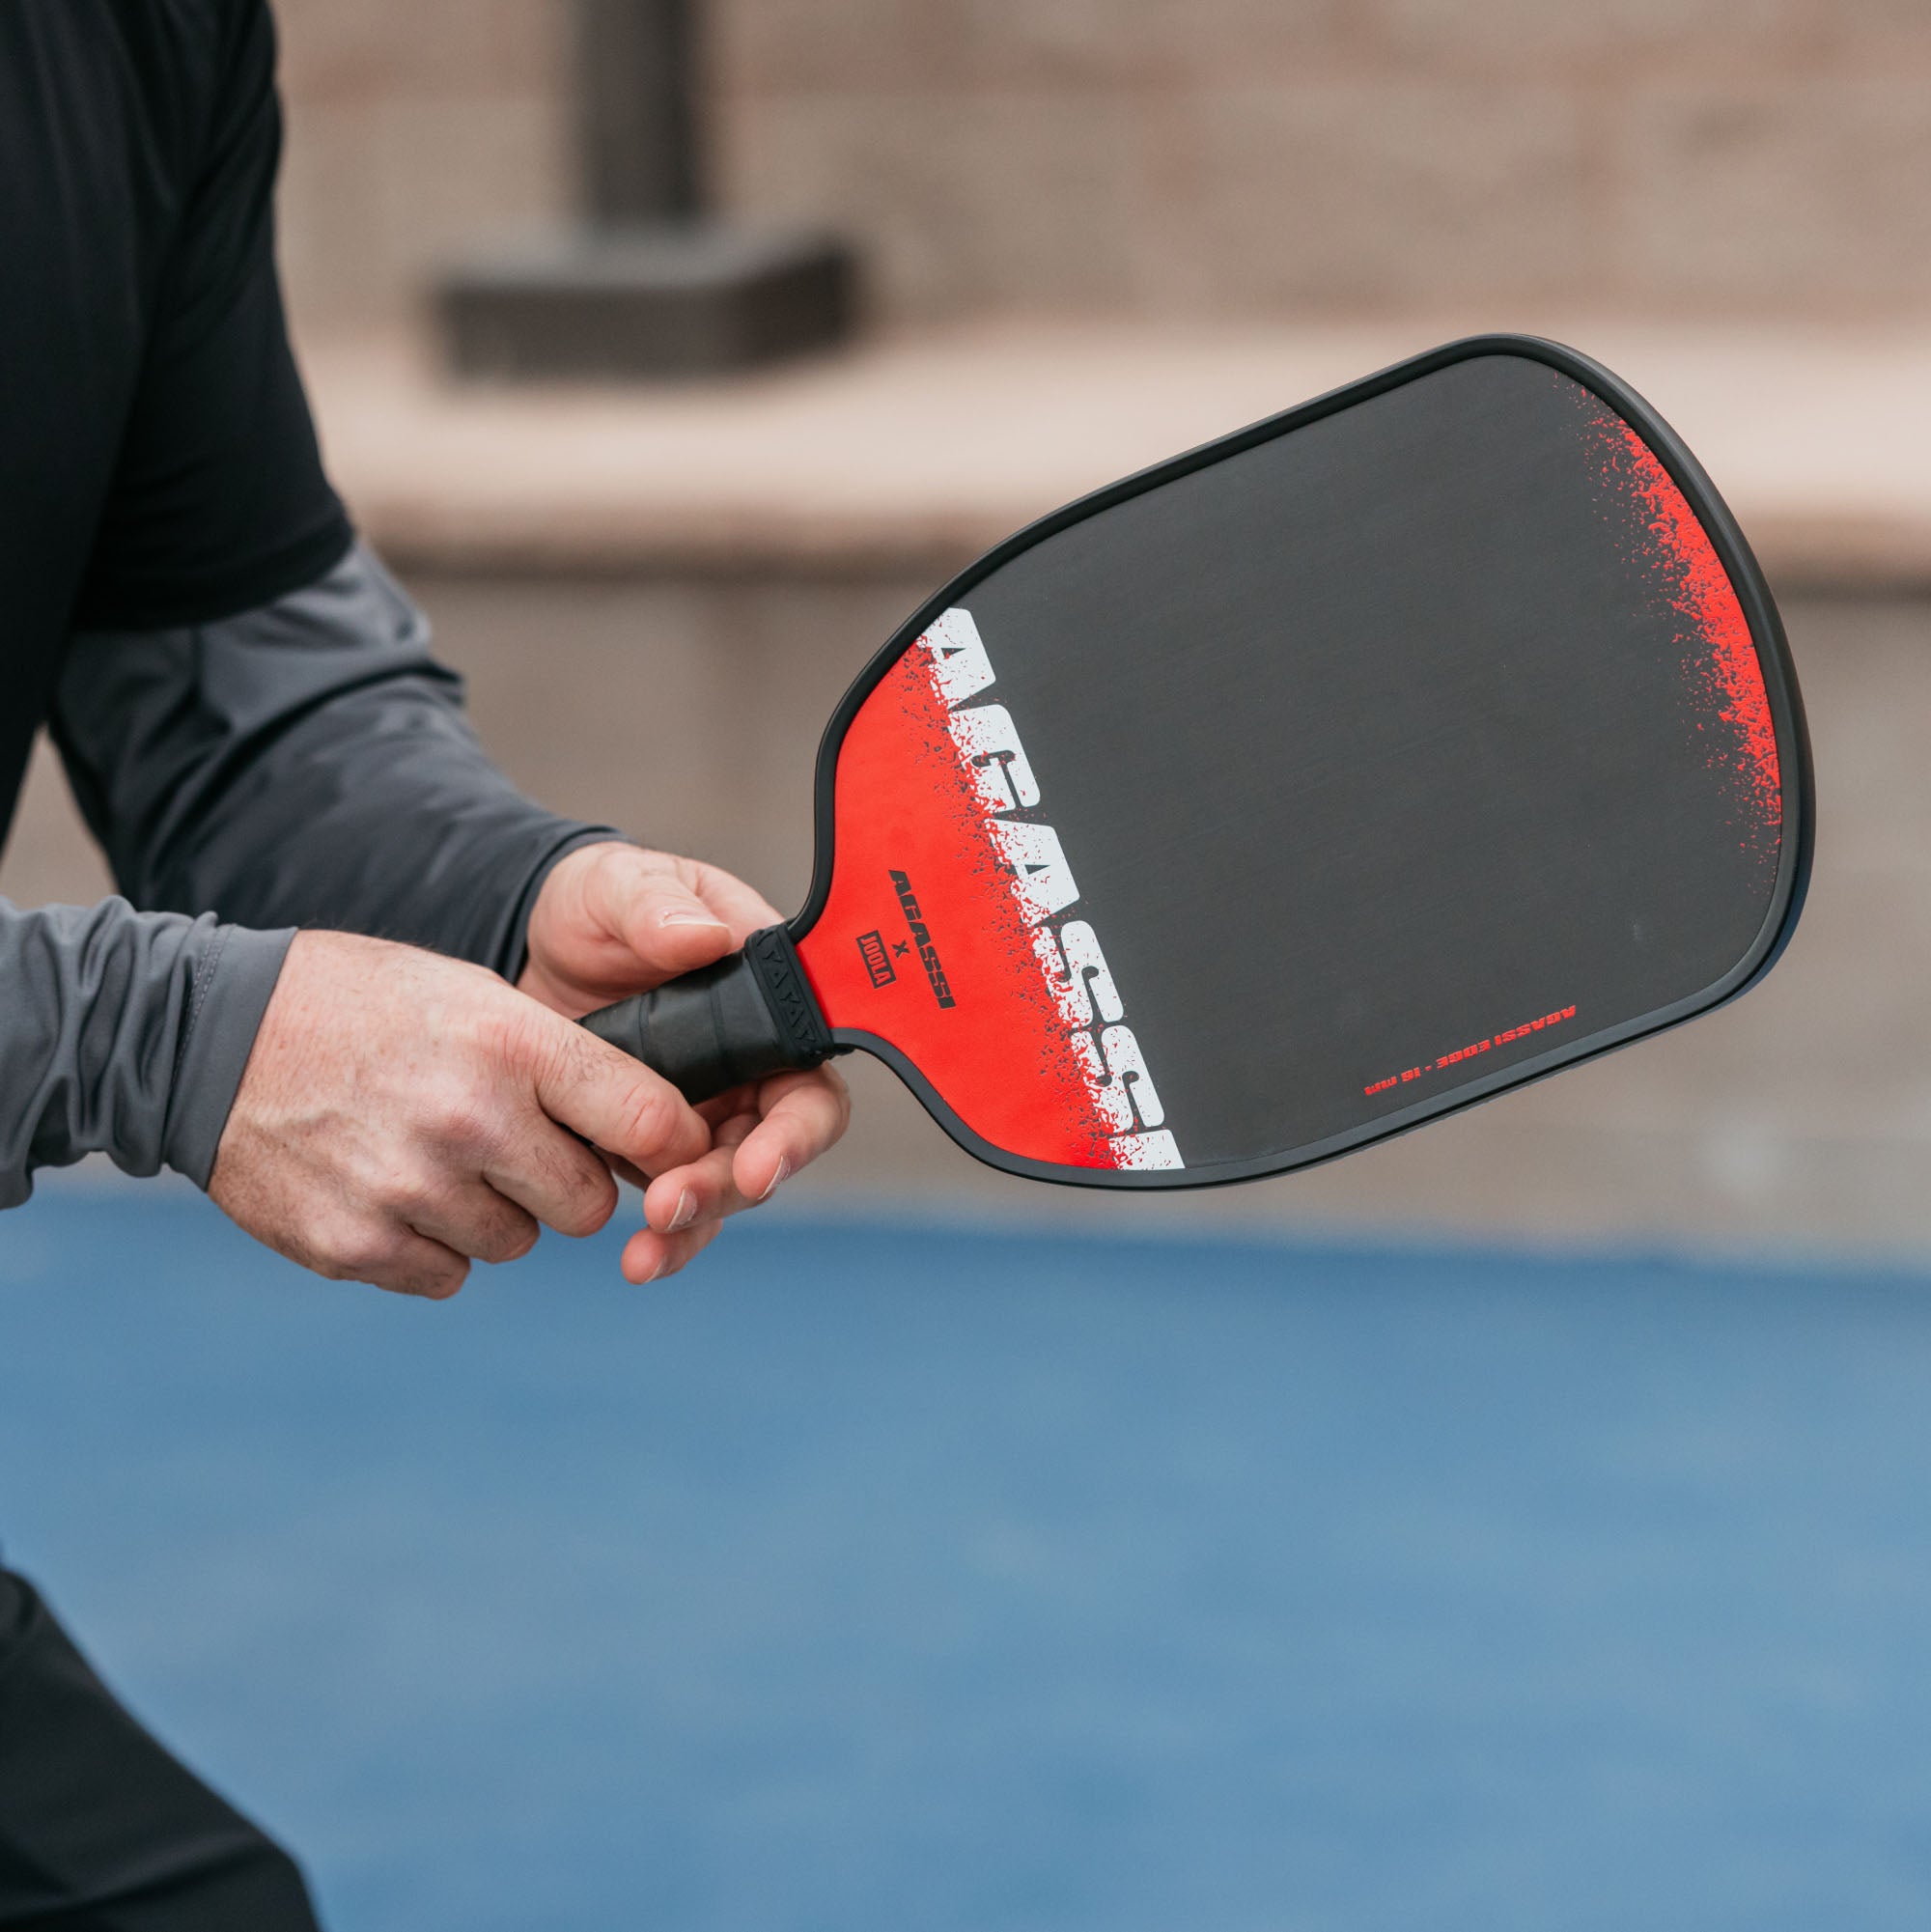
x=896 y=1577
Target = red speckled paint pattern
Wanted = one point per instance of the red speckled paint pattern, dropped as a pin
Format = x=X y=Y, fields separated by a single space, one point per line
x=1730 y=705
x=1001 y=1057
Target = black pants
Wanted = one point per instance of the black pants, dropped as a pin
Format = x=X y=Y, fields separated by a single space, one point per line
x=101 y=1829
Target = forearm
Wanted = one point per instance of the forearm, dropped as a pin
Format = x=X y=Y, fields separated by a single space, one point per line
x=123 y=1033
x=307 y=764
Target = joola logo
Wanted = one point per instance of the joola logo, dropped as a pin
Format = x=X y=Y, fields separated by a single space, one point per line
x=1075 y=969
x=928 y=953
x=878 y=961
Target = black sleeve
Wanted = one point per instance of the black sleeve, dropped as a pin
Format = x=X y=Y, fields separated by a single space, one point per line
x=306 y=763
x=218 y=502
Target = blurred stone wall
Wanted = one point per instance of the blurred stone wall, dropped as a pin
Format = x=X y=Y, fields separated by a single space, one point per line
x=415 y=128
x=1181 y=157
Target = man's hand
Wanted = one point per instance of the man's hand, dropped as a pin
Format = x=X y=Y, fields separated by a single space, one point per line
x=612 y=920
x=402 y=1113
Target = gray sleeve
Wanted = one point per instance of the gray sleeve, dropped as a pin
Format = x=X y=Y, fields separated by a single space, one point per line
x=123 y=1033
x=306 y=763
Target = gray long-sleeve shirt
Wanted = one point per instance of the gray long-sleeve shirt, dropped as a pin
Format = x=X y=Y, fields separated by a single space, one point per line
x=304 y=763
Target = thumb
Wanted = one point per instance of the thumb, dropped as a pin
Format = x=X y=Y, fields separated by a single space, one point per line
x=663 y=922
x=658 y=919
x=614 y=1101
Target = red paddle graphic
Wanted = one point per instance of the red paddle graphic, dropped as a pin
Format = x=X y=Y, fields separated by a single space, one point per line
x=932 y=774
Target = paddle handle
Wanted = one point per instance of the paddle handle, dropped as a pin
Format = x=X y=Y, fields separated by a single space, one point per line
x=748 y=1015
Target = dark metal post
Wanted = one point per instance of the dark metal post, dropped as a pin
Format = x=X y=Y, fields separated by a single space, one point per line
x=637 y=83
x=648 y=283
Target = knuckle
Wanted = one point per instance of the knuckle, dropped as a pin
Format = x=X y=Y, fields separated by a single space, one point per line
x=573 y=1190
x=468 y=1116
x=363 y=1253
x=520 y=1033
x=418 y=1268
x=376 y=1258
x=648 y=1115
x=552 y=1056
x=509 y=1239
x=587 y=1207
x=518 y=1038
x=437 y=1284
x=404 y=1193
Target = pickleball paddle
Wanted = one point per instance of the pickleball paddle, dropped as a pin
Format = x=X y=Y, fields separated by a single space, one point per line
x=1385 y=755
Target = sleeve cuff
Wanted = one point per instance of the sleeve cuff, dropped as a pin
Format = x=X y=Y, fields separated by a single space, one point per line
x=231 y=993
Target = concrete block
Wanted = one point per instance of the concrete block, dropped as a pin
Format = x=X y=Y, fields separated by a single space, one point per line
x=703 y=299
x=1806 y=194
x=1352 y=195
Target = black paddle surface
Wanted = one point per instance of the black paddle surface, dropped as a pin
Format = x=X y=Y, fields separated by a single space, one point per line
x=1377 y=758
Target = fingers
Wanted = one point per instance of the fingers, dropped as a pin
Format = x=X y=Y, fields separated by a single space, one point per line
x=416 y=1265
x=611 y=1100
x=803 y=1115
x=650 y=1256
x=401 y=1114
x=800 y=1115
x=554 y=1177
x=704 y=1190
x=386 y=1254
x=474 y=1219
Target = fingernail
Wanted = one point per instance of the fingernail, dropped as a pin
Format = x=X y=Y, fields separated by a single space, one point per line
x=784 y=1168
x=687 y=1212
x=689 y=915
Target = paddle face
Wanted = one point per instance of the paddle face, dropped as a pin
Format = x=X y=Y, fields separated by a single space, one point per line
x=1382 y=757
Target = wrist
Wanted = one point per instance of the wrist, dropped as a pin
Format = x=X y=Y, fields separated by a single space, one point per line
x=231 y=993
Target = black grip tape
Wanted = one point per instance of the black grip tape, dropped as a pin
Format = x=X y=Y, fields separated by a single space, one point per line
x=745 y=1018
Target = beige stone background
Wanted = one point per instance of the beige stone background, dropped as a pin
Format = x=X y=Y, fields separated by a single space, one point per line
x=1096 y=231
x=1166 y=158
